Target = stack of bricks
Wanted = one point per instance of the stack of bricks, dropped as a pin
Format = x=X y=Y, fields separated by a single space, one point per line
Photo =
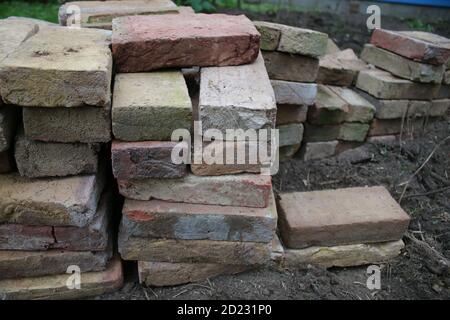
x=340 y=228
x=55 y=212
x=291 y=56
x=405 y=87
x=186 y=223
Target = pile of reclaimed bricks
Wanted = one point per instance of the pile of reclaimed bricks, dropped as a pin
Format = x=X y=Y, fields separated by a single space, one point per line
x=167 y=104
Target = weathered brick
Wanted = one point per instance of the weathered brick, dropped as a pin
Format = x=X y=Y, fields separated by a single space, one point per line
x=347 y=131
x=144 y=43
x=84 y=124
x=290 y=134
x=13 y=33
x=244 y=190
x=402 y=67
x=53 y=159
x=353 y=131
x=148 y=159
x=149 y=106
x=8 y=124
x=290 y=67
x=439 y=108
x=443 y=92
x=318 y=150
x=383 y=85
x=415 y=45
x=70 y=201
x=328 y=109
x=387 y=109
x=287 y=114
x=24 y=264
x=339 y=217
x=386 y=140
x=55 y=287
x=419 y=108
x=99 y=14
x=344 y=256
x=288 y=152
x=193 y=251
x=237 y=97
x=63 y=67
x=359 y=109
x=270 y=35
x=161 y=274
x=383 y=127
x=7 y=163
x=294 y=93
x=182 y=221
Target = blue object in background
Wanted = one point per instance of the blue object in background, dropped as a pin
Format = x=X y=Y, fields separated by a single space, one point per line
x=433 y=3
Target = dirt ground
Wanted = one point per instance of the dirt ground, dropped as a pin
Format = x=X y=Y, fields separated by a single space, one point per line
x=418 y=273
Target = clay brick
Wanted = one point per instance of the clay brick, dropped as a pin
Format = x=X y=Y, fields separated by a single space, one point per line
x=439 y=108
x=415 y=45
x=383 y=127
x=237 y=97
x=359 y=109
x=150 y=106
x=387 y=109
x=84 y=124
x=290 y=67
x=328 y=109
x=318 y=150
x=287 y=114
x=348 y=131
x=13 y=33
x=340 y=217
x=270 y=35
x=290 y=134
x=144 y=43
x=383 y=85
x=55 y=287
x=443 y=92
x=68 y=201
x=8 y=124
x=36 y=159
x=402 y=67
x=75 y=63
x=294 y=93
x=149 y=159
x=344 y=256
x=182 y=221
x=99 y=14
x=161 y=274
x=244 y=190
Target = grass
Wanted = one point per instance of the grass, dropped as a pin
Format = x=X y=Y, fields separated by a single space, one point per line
x=44 y=11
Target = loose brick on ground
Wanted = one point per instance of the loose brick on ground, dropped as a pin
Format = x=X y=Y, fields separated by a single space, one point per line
x=294 y=93
x=340 y=217
x=415 y=45
x=236 y=97
x=144 y=43
x=150 y=106
x=290 y=67
x=318 y=150
x=63 y=67
x=244 y=190
x=55 y=287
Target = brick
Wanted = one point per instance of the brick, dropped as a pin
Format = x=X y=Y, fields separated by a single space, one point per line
x=84 y=124
x=359 y=109
x=144 y=43
x=340 y=217
x=70 y=201
x=290 y=67
x=193 y=251
x=161 y=274
x=75 y=63
x=344 y=256
x=294 y=93
x=443 y=92
x=383 y=85
x=328 y=109
x=219 y=151
x=290 y=134
x=416 y=45
x=318 y=150
x=237 y=97
x=13 y=33
x=149 y=159
x=99 y=14
x=387 y=109
x=270 y=35
x=37 y=159
x=24 y=264
x=288 y=152
x=96 y=236
x=30 y=21
x=287 y=114
x=353 y=131
x=419 y=108
x=348 y=131
x=7 y=163
x=182 y=221
x=383 y=127
x=439 y=108
x=55 y=287
x=8 y=124
x=386 y=140
x=300 y=41
x=149 y=106
x=402 y=67
x=244 y=190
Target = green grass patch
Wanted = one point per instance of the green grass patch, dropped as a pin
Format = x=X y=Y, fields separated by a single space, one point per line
x=38 y=10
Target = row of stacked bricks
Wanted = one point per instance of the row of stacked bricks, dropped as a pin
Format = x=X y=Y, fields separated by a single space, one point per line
x=183 y=222
x=56 y=209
